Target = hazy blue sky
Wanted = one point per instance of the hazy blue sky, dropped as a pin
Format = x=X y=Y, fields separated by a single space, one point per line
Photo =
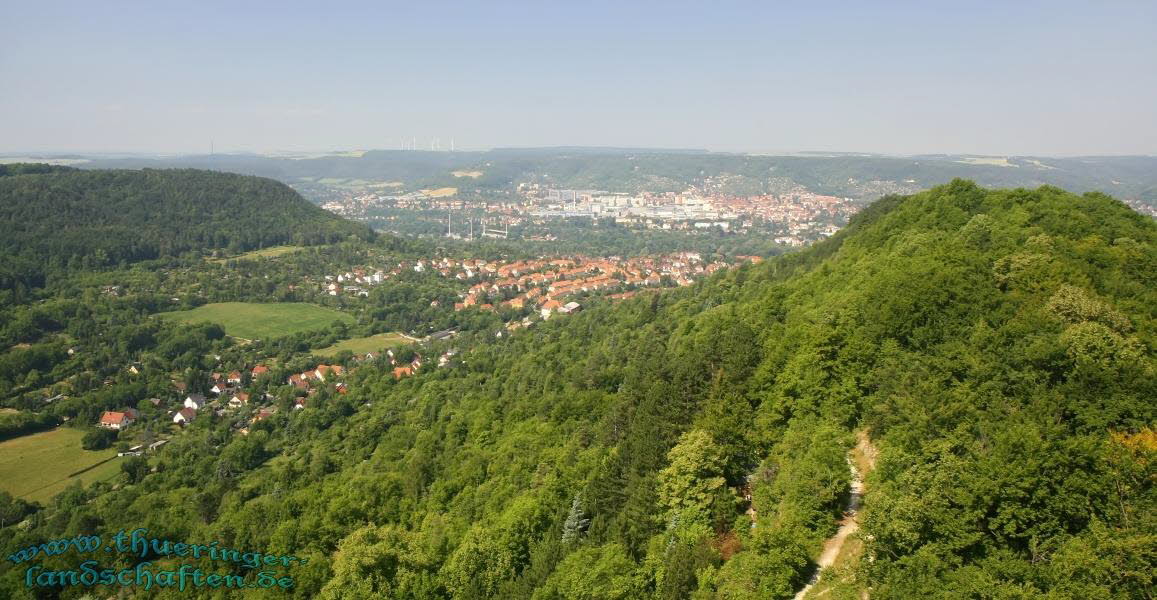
x=898 y=77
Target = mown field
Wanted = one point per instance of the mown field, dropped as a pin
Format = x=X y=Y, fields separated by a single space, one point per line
x=251 y=320
x=271 y=252
x=373 y=343
x=38 y=466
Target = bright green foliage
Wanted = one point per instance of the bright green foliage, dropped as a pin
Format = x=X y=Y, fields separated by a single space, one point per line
x=603 y=573
x=692 y=487
x=381 y=562
x=998 y=346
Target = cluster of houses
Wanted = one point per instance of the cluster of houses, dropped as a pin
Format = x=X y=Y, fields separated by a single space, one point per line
x=227 y=391
x=230 y=395
x=357 y=281
x=309 y=380
x=405 y=370
x=554 y=277
x=546 y=283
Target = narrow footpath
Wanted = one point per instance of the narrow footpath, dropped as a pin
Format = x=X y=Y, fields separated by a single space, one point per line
x=849 y=524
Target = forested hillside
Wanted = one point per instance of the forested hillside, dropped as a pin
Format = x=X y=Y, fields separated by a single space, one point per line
x=55 y=218
x=997 y=347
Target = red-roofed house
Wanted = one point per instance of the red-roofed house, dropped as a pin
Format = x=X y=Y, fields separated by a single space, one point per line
x=298 y=382
x=326 y=371
x=548 y=307
x=115 y=420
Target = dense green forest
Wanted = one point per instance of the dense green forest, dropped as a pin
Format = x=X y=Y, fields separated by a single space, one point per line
x=996 y=345
x=55 y=219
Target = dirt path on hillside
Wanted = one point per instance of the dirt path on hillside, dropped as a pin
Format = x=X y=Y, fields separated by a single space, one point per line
x=849 y=524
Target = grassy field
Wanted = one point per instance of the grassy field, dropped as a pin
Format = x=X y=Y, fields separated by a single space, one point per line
x=373 y=343
x=39 y=465
x=251 y=320
x=271 y=252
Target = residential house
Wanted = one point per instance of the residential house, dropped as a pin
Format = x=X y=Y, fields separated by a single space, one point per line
x=323 y=372
x=185 y=415
x=115 y=420
x=548 y=307
x=298 y=381
x=239 y=399
x=195 y=401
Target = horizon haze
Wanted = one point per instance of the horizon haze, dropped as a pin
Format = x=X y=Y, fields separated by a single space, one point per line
x=1040 y=79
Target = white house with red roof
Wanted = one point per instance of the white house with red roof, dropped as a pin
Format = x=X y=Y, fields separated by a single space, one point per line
x=323 y=372
x=115 y=420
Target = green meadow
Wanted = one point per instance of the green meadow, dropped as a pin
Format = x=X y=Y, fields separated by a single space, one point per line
x=39 y=465
x=252 y=320
x=373 y=343
x=271 y=252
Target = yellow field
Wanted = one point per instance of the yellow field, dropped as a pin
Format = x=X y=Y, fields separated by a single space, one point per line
x=471 y=174
x=38 y=466
x=441 y=192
